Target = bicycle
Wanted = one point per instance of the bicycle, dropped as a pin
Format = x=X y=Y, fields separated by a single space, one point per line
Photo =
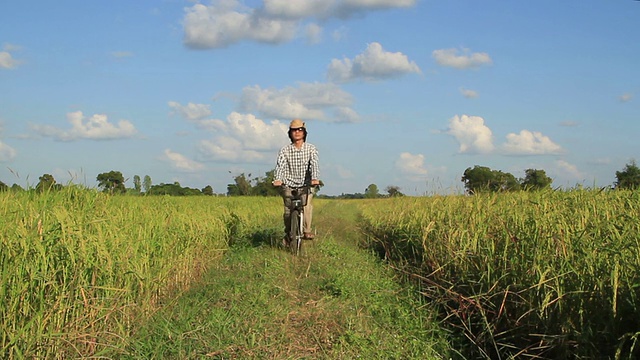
x=296 y=208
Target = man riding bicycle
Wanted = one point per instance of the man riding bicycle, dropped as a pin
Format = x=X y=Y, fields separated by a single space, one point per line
x=296 y=167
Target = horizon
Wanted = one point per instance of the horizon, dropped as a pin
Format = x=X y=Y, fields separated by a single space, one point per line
x=405 y=93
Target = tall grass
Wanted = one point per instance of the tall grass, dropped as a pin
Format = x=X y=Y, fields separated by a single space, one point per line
x=79 y=268
x=540 y=275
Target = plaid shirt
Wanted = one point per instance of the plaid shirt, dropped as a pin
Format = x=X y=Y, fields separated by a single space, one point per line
x=296 y=167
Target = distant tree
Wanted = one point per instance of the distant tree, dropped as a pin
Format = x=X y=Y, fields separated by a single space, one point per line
x=207 y=190
x=137 y=185
x=3 y=186
x=16 y=188
x=629 y=178
x=146 y=183
x=263 y=186
x=483 y=179
x=241 y=187
x=371 y=191
x=111 y=182
x=173 y=189
x=47 y=182
x=536 y=180
x=393 y=191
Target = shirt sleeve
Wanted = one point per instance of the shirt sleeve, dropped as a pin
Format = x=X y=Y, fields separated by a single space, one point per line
x=281 y=165
x=314 y=166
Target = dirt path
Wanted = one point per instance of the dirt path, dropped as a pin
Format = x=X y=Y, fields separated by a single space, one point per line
x=336 y=302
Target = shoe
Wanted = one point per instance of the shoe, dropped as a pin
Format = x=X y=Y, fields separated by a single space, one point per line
x=308 y=236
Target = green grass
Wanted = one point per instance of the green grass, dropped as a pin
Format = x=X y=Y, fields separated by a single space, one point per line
x=260 y=302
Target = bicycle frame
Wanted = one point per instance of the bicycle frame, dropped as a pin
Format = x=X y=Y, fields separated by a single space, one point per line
x=298 y=202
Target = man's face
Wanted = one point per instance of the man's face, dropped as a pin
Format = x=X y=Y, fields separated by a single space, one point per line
x=297 y=133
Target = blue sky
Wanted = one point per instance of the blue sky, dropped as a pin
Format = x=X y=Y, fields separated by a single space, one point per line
x=407 y=93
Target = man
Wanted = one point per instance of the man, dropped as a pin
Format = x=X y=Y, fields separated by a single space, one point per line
x=297 y=166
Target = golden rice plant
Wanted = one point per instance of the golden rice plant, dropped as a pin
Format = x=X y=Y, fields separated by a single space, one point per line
x=79 y=267
x=549 y=274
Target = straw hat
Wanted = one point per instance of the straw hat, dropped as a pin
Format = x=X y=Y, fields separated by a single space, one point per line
x=296 y=123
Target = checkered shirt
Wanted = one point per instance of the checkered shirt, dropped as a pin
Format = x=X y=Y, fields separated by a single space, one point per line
x=296 y=167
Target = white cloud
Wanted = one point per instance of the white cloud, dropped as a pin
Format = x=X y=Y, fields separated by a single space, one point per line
x=181 y=162
x=308 y=101
x=329 y=8
x=626 y=97
x=471 y=133
x=191 y=112
x=530 y=143
x=226 y=22
x=450 y=58
x=313 y=33
x=7 y=153
x=373 y=64
x=121 y=54
x=570 y=170
x=411 y=166
x=569 y=123
x=244 y=138
x=7 y=61
x=97 y=127
x=469 y=94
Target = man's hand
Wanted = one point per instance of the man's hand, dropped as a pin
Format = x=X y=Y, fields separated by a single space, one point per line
x=315 y=182
x=276 y=183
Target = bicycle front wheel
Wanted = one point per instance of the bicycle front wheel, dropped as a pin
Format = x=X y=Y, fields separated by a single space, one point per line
x=296 y=232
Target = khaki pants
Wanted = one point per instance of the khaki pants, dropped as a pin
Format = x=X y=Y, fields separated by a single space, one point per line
x=308 y=211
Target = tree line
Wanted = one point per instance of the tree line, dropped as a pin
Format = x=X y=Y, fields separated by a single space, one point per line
x=476 y=180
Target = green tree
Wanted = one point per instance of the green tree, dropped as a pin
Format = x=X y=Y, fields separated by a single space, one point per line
x=3 y=186
x=371 y=191
x=483 y=179
x=111 y=182
x=241 y=187
x=207 y=190
x=393 y=191
x=46 y=182
x=536 y=180
x=629 y=177
x=146 y=183
x=263 y=186
x=137 y=185
x=173 y=189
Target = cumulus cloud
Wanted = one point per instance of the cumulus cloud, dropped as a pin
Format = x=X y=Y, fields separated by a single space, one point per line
x=226 y=22
x=97 y=127
x=7 y=153
x=530 y=143
x=317 y=101
x=569 y=169
x=471 y=133
x=244 y=138
x=626 y=97
x=469 y=94
x=411 y=166
x=191 y=111
x=373 y=64
x=121 y=54
x=181 y=162
x=465 y=60
x=7 y=61
x=313 y=33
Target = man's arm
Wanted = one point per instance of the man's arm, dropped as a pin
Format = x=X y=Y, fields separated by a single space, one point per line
x=314 y=166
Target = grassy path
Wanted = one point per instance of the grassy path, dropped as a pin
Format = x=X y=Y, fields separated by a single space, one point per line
x=336 y=302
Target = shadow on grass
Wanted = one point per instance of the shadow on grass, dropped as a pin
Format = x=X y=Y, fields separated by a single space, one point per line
x=270 y=237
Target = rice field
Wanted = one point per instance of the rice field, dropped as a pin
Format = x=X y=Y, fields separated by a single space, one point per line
x=79 y=268
x=526 y=275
